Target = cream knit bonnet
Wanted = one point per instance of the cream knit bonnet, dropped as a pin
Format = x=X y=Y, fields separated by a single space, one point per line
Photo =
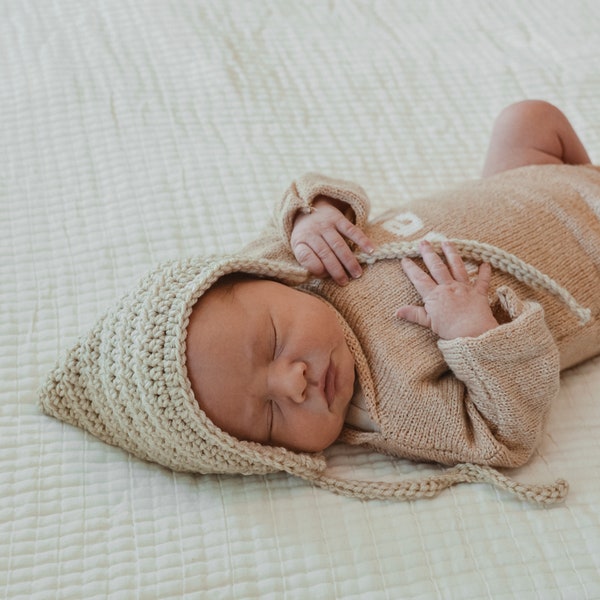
x=126 y=383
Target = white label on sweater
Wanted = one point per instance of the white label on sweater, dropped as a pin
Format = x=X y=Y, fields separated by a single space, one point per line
x=404 y=224
x=407 y=223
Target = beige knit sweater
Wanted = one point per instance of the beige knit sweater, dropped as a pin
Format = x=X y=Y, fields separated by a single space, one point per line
x=480 y=400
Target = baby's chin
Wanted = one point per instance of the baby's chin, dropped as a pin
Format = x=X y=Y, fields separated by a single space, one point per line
x=336 y=434
x=318 y=445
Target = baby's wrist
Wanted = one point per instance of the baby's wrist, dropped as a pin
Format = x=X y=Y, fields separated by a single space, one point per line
x=343 y=207
x=483 y=327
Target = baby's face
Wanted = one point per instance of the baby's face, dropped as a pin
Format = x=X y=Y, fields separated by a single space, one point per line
x=270 y=364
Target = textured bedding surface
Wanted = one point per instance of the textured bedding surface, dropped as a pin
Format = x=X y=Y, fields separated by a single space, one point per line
x=137 y=131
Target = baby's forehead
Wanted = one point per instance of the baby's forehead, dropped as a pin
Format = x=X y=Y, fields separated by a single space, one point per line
x=233 y=282
x=251 y=295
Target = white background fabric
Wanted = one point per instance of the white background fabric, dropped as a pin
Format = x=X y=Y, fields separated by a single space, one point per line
x=136 y=131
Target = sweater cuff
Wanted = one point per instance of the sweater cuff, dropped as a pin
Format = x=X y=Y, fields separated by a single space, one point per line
x=301 y=194
x=525 y=337
x=511 y=374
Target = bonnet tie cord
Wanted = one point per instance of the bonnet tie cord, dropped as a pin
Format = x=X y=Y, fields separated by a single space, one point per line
x=496 y=257
x=413 y=489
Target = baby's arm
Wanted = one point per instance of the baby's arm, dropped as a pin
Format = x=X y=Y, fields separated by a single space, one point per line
x=452 y=306
x=319 y=240
x=532 y=132
x=314 y=224
x=505 y=377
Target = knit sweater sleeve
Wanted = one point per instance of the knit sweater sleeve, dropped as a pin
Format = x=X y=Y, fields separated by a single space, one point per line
x=511 y=374
x=274 y=242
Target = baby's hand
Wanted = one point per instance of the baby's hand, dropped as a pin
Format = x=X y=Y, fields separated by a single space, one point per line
x=452 y=306
x=319 y=242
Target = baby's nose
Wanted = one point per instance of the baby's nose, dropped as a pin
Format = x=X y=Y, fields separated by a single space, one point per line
x=289 y=381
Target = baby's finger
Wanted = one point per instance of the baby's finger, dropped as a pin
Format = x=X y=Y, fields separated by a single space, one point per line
x=343 y=253
x=414 y=314
x=423 y=283
x=357 y=235
x=309 y=260
x=455 y=262
x=330 y=261
x=484 y=277
x=437 y=267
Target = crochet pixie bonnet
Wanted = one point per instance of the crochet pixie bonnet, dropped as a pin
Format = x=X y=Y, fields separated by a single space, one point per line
x=126 y=383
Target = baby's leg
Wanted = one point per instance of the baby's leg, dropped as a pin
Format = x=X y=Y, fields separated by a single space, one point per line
x=532 y=132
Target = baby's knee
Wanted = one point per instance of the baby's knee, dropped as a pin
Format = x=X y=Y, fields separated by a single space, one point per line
x=528 y=112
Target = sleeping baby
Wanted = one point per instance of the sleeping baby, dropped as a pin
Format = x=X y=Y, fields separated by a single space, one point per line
x=435 y=332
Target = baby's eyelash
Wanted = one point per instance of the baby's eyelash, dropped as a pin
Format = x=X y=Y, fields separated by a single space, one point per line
x=274 y=354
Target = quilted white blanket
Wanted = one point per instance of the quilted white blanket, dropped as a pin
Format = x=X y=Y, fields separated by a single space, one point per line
x=133 y=131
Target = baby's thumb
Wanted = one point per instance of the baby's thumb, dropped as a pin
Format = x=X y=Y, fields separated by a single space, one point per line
x=414 y=314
